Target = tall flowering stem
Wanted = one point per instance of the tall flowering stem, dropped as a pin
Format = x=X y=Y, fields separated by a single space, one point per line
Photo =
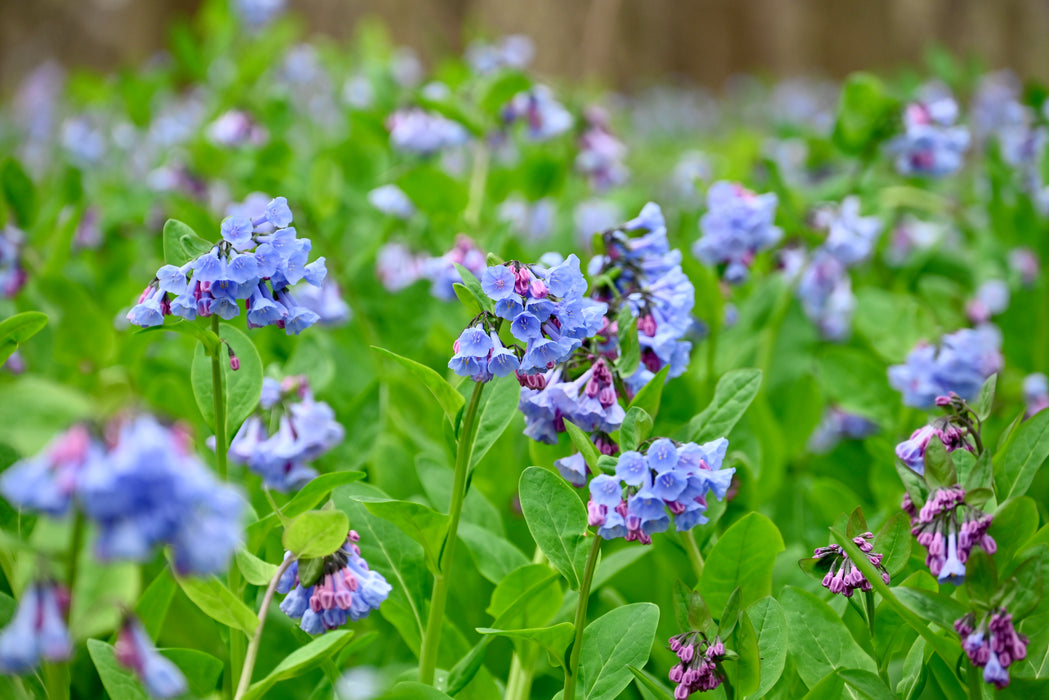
x=432 y=637
x=253 y=646
x=218 y=392
x=572 y=672
x=694 y=556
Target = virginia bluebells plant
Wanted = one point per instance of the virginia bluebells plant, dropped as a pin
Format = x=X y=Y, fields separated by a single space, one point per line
x=930 y=146
x=836 y=425
x=345 y=589
x=601 y=154
x=305 y=430
x=699 y=663
x=842 y=575
x=993 y=644
x=257 y=261
x=47 y=482
x=537 y=108
x=37 y=632
x=949 y=528
x=136 y=651
x=415 y=130
x=737 y=225
x=961 y=364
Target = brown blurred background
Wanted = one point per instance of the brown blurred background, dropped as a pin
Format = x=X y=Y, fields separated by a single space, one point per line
x=622 y=42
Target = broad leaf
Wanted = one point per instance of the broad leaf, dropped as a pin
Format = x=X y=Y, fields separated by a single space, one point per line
x=243 y=386
x=316 y=533
x=301 y=660
x=611 y=644
x=743 y=557
x=422 y=523
x=732 y=396
x=770 y=626
x=450 y=399
x=557 y=520
x=1017 y=462
x=218 y=602
x=820 y=642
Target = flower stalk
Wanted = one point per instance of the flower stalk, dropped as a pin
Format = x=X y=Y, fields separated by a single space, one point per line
x=572 y=672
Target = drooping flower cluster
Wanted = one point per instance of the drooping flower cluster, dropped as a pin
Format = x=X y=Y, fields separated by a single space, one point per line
x=669 y=479
x=993 y=644
x=949 y=528
x=738 y=224
x=257 y=260
x=930 y=145
x=842 y=575
x=646 y=274
x=415 y=130
x=544 y=116
x=601 y=154
x=12 y=274
x=991 y=299
x=1036 y=393
x=143 y=488
x=398 y=267
x=961 y=363
x=326 y=301
x=136 y=651
x=38 y=631
x=912 y=451
x=836 y=425
x=698 y=668
x=306 y=429
x=346 y=589
x=590 y=401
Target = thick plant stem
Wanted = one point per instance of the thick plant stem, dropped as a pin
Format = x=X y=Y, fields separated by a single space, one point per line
x=693 y=554
x=253 y=646
x=572 y=672
x=432 y=635
x=218 y=391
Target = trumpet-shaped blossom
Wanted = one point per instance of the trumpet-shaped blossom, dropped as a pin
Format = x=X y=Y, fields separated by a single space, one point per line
x=306 y=429
x=949 y=528
x=993 y=644
x=256 y=261
x=346 y=589
x=136 y=651
x=930 y=146
x=737 y=226
x=842 y=574
x=37 y=632
x=912 y=451
x=544 y=116
x=991 y=299
x=699 y=663
x=961 y=364
x=1036 y=394
x=48 y=481
x=415 y=130
x=825 y=291
x=669 y=480
x=391 y=200
x=851 y=237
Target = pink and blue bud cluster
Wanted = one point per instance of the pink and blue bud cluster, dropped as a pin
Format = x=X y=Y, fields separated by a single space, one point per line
x=993 y=645
x=698 y=668
x=669 y=479
x=256 y=261
x=346 y=589
x=537 y=108
x=991 y=299
x=961 y=364
x=949 y=528
x=737 y=226
x=306 y=429
x=590 y=402
x=931 y=145
x=136 y=651
x=912 y=451
x=38 y=631
x=142 y=488
x=843 y=576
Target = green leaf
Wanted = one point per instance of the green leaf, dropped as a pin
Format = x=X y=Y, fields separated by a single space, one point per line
x=611 y=644
x=770 y=626
x=202 y=670
x=730 y=615
x=464 y=671
x=411 y=690
x=315 y=491
x=857 y=524
x=422 y=523
x=243 y=387
x=690 y=610
x=581 y=441
x=19 y=328
x=497 y=411
x=101 y=589
x=893 y=541
x=819 y=641
x=528 y=597
x=744 y=556
x=985 y=401
x=301 y=660
x=646 y=682
x=450 y=399
x=254 y=570
x=218 y=602
x=866 y=684
x=636 y=427
x=118 y=681
x=473 y=286
x=930 y=606
x=182 y=244
x=649 y=397
x=745 y=670
x=19 y=192
x=152 y=606
x=913 y=483
x=554 y=640
x=913 y=670
x=434 y=191
x=615 y=562
x=500 y=89
x=466 y=298
x=494 y=556
x=863 y=110
x=310 y=571
x=316 y=533
x=733 y=394
x=629 y=348
x=981 y=576
x=939 y=467
x=1013 y=524
x=1017 y=462
x=557 y=520
x=978 y=477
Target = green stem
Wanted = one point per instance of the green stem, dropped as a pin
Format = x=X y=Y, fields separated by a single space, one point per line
x=712 y=349
x=219 y=394
x=253 y=646
x=76 y=541
x=432 y=635
x=571 y=672
x=478 y=179
x=868 y=597
x=972 y=677
x=284 y=520
x=693 y=554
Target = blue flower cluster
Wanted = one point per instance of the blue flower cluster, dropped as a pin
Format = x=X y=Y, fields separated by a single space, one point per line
x=589 y=401
x=417 y=131
x=648 y=277
x=930 y=145
x=347 y=588
x=145 y=489
x=601 y=154
x=306 y=430
x=391 y=200
x=512 y=51
x=961 y=364
x=37 y=631
x=544 y=115
x=136 y=651
x=252 y=253
x=836 y=425
x=397 y=267
x=634 y=503
x=547 y=312
x=738 y=224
